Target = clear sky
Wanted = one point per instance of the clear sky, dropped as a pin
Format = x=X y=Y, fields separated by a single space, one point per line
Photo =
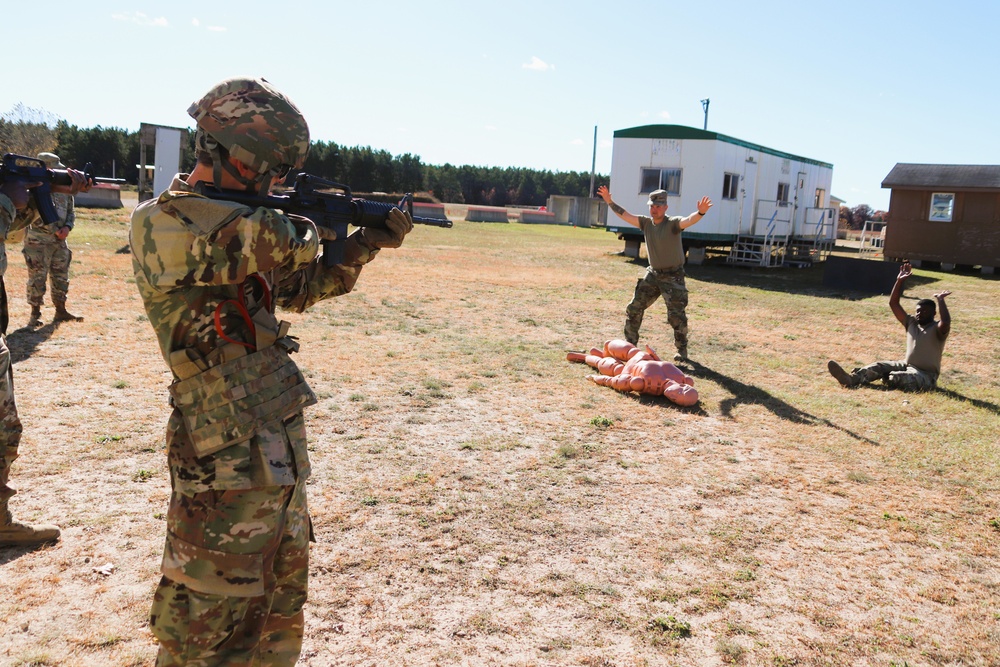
x=859 y=84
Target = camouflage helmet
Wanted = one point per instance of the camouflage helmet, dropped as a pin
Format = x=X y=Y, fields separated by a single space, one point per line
x=51 y=160
x=256 y=124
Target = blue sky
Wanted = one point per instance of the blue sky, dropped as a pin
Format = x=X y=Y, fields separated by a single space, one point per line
x=862 y=85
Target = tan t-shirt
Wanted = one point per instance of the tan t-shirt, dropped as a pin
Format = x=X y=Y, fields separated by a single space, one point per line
x=663 y=242
x=923 y=347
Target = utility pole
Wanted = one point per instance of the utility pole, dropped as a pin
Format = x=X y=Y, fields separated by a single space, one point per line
x=593 y=161
x=704 y=105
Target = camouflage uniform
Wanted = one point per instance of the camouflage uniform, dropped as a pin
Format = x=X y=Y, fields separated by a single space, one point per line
x=920 y=369
x=10 y=425
x=235 y=563
x=47 y=255
x=11 y=532
x=896 y=374
x=665 y=281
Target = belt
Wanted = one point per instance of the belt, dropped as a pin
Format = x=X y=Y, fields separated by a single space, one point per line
x=672 y=269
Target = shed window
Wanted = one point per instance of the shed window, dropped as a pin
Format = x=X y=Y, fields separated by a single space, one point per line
x=820 y=201
x=661 y=179
x=730 y=186
x=942 y=206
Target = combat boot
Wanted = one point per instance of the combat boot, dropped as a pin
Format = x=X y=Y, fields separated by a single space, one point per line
x=843 y=377
x=36 y=316
x=63 y=315
x=15 y=533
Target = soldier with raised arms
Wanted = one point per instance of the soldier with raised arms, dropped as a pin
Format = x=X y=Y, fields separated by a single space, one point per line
x=211 y=274
x=665 y=274
x=925 y=338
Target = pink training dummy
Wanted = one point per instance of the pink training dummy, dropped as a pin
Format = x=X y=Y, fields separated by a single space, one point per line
x=625 y=367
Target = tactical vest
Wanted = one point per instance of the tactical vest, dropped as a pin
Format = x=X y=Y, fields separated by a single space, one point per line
x=227 y=402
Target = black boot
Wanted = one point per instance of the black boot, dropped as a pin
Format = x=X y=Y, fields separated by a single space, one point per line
x=843 y=377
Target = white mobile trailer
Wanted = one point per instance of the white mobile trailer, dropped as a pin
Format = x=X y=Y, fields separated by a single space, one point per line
x=756 y=191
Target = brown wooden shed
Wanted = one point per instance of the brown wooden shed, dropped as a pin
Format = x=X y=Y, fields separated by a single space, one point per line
x=947 y=213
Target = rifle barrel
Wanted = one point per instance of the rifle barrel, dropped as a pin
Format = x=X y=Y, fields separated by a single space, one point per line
x=434 y=222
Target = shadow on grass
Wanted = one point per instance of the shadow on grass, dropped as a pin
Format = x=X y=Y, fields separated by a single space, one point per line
x=748 y=394
x=808 y=281
x=12 y=552
x=982 y=405
x=648 y=399
x=950 y=393
x=789 y=280
x=24 y=341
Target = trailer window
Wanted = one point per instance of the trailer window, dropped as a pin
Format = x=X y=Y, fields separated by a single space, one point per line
x=661 y=179
x=730 y=186
x=650 y=181
x=820 y=201
x=782 y=197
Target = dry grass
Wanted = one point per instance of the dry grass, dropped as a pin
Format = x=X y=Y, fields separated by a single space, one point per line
x=477 y=502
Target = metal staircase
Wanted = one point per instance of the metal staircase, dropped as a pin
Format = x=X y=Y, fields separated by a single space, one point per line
x=872 y=240
x=757 y=251
x=784 y=243
x=802 y=252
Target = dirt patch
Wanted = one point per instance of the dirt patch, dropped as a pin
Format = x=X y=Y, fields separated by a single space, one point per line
x=478 y=502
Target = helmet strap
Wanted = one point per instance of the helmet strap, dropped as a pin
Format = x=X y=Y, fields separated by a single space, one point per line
x=220 y=161
x=224 y=162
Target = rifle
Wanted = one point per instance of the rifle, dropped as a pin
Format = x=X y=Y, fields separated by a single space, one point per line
x=311 y=197
x=32 y=170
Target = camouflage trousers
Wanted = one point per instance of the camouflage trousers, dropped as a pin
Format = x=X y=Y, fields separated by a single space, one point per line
x=896 y=374
x=653 y=284
x=10 y=425
x=235 y=571
x=47 y=260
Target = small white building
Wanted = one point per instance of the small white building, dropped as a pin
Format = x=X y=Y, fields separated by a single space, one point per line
x=770 y=207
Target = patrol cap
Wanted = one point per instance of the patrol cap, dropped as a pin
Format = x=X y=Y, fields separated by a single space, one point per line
x=658 y=197
x=51 y=160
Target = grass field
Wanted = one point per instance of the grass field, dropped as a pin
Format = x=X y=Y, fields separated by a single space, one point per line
x=476 y=501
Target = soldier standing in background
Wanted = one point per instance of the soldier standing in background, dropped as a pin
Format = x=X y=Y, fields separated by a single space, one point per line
x=15 y=211
x=47 y=255
x=665 y=274
x=210 y=273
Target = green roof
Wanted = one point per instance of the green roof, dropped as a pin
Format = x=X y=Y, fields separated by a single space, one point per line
x=684 y=132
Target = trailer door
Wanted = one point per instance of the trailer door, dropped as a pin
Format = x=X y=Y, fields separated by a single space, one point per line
x=799 y=212
x=748 y=196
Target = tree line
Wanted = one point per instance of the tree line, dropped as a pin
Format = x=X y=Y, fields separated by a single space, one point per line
x=115 y=152
x=854 y=217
